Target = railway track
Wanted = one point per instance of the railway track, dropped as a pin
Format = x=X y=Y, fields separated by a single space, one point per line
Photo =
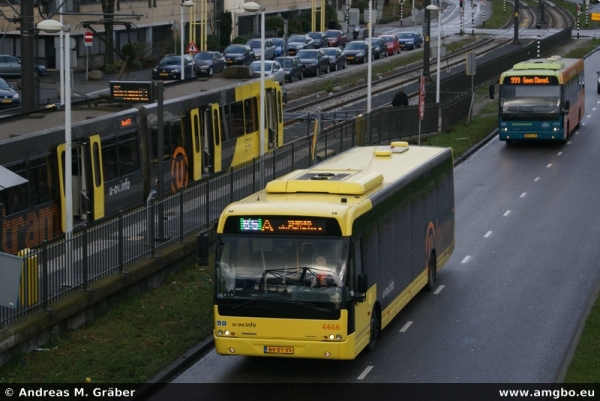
x=554 y=18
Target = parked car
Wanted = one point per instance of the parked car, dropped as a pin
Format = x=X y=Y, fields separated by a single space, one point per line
x=272 y=68
x=209 y=62
x=356 y=51
x=410 y=40
x=335 y=38
x=169 y=67
x=10 y=66
x=269 y=48
x=279 y=44
x=337 y=59
x=392 y=43
x=239 y=55
x=319 y=38
x=299 y=42
x=292 y=67
x=378 y=47
x=314 y=60
x=8 y=96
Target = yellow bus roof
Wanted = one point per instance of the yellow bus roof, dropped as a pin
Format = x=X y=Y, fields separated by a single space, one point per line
x=340 y=187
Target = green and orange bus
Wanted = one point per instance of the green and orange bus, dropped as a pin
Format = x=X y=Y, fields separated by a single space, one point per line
x=541 y=99
x=317 y=263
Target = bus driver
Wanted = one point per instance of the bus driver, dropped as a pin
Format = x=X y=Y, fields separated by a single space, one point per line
x=323 y=278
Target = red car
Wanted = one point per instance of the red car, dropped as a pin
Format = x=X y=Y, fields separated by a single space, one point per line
x=392 y=43
x=335 y=38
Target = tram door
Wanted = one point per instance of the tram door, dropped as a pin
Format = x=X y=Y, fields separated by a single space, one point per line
x=210 y=129
x=271 y=117
x=74 y=187
x=94 y=190
x=196 y=144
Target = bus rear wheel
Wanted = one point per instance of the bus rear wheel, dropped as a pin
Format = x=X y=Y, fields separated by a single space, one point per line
x=375 y=331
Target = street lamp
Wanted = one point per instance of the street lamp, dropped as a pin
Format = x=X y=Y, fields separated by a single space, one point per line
x=255 y=7
x=432 y=7
x=188 y=4
x=52 y=26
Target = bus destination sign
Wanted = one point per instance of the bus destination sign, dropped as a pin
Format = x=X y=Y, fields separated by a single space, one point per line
x=131 y=91
x=530 y=80
x=282 y=225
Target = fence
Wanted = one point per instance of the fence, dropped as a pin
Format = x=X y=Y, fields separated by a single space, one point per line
x=106 y=248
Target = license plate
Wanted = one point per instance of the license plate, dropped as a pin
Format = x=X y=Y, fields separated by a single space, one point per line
x=229 y=62
x=402 y=45
x=530 y=135
x=350 y=57
x=6 y=101
x=163 y=74
x=279 y=350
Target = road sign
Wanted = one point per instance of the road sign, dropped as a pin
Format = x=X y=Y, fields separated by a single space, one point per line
x=87 y=38
x=192 y=48
x=595 y=16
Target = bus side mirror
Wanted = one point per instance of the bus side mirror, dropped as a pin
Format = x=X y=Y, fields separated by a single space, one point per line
x=362 y=283
x=492 y=90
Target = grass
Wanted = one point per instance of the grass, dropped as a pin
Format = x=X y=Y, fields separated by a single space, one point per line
x=150 y=330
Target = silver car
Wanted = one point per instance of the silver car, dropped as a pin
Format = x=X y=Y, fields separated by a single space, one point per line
x=272 y=68
x=10 y=67
x=270 y=48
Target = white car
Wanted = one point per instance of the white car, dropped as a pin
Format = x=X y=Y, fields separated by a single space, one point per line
x=272 y=68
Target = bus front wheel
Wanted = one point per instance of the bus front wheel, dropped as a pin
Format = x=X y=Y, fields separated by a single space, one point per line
x=375 y=331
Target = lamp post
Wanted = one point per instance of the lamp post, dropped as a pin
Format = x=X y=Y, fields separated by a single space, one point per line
x=187 y=3
x=439 y=41
x=255 y=7
x=52 y=26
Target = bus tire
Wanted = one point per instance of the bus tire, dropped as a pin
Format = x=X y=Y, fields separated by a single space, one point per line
x=375 y=330
x=431 y=273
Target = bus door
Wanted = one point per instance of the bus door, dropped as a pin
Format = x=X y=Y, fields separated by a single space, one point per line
x=95 y=192
x=362 y=310
x=196 y=144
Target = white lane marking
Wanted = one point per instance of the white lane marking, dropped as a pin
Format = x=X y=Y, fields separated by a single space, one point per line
x=466 y=259
x=549 y=165
x=536 y=179
x=523 y=194
x=439 y=289
x=405 y=327
x=507 y=213
x=365 y=372
x=559 y=153
x=568 y=143
x=487 y=234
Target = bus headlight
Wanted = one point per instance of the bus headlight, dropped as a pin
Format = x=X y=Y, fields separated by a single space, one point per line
x=220 y=332
x=338 y=337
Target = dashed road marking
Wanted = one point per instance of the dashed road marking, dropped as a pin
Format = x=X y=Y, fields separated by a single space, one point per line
x=466 y=259
x=487 y=234
x=406 y=326
x=439 y=289
x=506 y=213
x=365 y=372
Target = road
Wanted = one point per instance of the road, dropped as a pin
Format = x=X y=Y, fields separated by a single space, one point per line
x=510 y=301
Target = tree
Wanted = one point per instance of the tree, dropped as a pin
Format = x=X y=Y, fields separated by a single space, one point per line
x=108 y=9
x=226 y=28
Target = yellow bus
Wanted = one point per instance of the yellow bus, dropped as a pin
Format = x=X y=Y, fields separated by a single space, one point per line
x=317 y=263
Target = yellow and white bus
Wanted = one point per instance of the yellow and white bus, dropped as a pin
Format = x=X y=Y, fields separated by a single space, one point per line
x=315 y=265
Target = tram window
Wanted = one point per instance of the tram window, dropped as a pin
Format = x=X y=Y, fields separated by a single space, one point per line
x=251 y=116
x=15 y=199
x=128 y=154
x=166 y=142
x=237 y=115
x=109 y=159
x=174 y=137
x=40 y=178
x=196 y=131
x=215 y=127
x=225 y=127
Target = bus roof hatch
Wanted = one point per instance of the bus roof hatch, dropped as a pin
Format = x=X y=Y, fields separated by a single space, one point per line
x=347 y=182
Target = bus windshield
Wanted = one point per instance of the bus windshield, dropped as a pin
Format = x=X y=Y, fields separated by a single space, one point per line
x=302 y=269
x=521 y=102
